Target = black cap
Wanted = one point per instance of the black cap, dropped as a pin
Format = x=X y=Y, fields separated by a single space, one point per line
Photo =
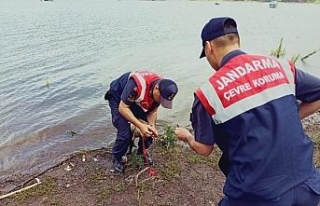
x=216 y=28
x=168 y=89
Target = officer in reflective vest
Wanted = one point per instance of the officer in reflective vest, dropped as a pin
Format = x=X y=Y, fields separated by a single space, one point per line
x=133 y=96
x=251 y=108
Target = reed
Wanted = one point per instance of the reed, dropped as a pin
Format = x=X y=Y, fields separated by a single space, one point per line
x=280 y=52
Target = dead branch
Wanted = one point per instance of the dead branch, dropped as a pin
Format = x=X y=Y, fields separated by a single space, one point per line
x=57 y=165
x=21 y=190
x=137 y=176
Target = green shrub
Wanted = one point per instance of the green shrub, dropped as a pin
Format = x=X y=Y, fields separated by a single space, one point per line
x=168 y=139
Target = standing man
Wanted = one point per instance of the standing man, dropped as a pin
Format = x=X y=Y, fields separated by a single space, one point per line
x=250 y=108
x=133 y=96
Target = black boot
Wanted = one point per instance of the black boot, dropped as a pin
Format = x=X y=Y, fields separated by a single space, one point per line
x=117 y=166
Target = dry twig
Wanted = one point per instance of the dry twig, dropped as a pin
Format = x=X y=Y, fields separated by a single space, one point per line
x=21 y=190
x=137 y=176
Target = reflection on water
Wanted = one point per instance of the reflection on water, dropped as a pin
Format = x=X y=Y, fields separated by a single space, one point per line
x=57 y=59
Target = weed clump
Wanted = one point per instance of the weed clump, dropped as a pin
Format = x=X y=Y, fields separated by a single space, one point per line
x=168 y=140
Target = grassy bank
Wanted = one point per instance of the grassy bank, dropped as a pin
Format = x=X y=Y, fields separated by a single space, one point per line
x=85 y=179
x=181 y=178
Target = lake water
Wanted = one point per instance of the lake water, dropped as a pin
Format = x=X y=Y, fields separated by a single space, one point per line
x=57 y=59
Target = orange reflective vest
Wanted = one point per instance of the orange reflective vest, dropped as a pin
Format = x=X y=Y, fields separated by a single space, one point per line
x=245 y=82
x=144 y=79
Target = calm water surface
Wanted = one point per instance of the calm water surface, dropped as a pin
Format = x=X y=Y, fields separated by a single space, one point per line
x=58 y=58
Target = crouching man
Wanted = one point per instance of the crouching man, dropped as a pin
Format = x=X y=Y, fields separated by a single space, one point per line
x=133 y=96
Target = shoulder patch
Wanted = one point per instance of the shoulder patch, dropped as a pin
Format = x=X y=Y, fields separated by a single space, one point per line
x=132 y=96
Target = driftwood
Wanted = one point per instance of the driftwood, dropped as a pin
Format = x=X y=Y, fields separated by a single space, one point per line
x=21 y=190
x=54 y=166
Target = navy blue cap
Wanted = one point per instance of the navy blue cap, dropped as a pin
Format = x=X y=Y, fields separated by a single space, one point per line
x=168 y=89
x=216 y=28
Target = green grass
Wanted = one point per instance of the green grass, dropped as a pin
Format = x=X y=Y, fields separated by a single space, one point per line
x=135 y=161
x=95 y=176
x=170 y=170
x=280 y=52
x=105 y=193
x=168 y=139
x=48 y=186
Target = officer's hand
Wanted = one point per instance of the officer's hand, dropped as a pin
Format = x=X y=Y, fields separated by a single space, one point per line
x=146 y=130
x=182 y=133
x=154 y=131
